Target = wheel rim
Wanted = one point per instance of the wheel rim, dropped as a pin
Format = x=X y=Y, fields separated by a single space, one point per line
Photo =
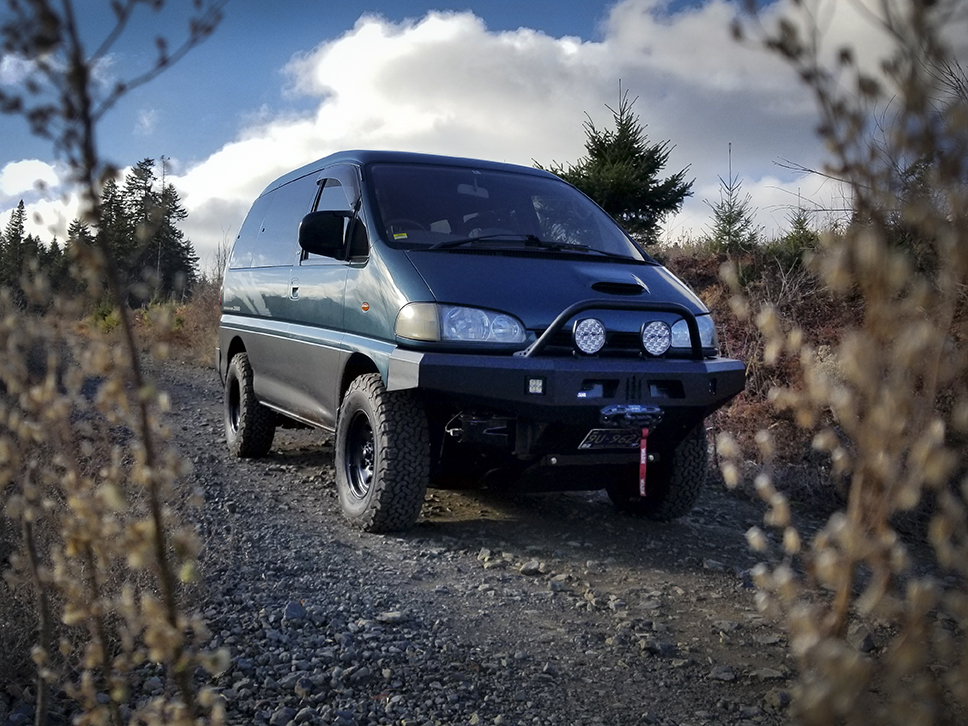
x=360 y=456
x=234 y=406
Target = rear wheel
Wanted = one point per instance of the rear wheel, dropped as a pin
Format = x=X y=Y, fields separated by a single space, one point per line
x=673 y=485
x=382 y=456
x=249 y=426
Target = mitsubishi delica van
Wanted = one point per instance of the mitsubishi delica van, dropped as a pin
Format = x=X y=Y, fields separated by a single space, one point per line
x=453 y=322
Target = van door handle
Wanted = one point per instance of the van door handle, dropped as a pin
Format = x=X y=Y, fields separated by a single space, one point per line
x=294 y=289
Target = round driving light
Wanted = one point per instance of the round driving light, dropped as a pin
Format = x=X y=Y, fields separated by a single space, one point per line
x=589 y=335
x=656 y=337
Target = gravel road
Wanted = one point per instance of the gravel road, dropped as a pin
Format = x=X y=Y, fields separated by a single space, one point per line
x=533 y=609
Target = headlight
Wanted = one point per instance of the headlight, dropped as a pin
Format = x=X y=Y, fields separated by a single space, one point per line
x=707 y=333
x=455 y=324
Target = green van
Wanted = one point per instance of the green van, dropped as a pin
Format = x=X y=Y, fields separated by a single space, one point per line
x=458 y=321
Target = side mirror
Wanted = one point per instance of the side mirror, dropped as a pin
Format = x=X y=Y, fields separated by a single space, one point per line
x=321 y=233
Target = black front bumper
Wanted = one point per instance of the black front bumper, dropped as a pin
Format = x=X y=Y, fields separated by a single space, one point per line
x=572 y=390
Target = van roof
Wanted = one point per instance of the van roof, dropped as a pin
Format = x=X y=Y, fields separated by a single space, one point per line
x=364 y=157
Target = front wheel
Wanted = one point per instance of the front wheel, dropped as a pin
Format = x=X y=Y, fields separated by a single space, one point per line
x=382 y=456
x=249 y=426
x=672 y=487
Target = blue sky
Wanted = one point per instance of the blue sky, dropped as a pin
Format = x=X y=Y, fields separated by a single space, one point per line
x=282 y=82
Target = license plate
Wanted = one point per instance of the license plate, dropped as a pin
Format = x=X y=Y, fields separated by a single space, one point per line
x=611 y=439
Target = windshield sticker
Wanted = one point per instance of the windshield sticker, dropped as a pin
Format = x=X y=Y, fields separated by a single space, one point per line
x=399 y=235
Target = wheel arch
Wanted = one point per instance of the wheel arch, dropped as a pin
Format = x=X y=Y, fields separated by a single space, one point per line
x=236 y=346
x=357 y=365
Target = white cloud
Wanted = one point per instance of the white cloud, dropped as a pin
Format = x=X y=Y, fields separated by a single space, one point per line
x=23 y=176
x=446 y=84
x=147 y=119
x=14 y=69
x=47 y=218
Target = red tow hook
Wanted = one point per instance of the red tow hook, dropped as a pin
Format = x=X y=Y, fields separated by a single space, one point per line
x=643 y=460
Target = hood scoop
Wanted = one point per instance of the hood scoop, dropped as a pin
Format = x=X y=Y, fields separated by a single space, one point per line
x=618 y=288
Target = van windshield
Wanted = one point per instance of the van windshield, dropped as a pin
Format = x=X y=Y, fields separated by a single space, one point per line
x=443 y=207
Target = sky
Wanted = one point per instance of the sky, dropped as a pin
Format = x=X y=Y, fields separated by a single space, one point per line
x=284 y=82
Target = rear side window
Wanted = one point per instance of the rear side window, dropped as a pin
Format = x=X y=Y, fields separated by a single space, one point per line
x=244 y=248
x=268 y=237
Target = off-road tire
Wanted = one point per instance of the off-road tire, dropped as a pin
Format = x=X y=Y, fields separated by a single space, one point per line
x=382 y=456
x=673 y=484
x=249 y=426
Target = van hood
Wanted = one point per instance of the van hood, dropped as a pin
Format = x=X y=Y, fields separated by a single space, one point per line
x=537 y=286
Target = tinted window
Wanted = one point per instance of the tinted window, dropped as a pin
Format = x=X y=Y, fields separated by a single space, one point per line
x=245 y=243
x=277 y=242
x=421 y=205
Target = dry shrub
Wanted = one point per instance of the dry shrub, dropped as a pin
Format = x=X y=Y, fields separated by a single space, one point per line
x=188 y=331
x=888 y=399
x=771 y=275
x=96 y=552
x=86 y=473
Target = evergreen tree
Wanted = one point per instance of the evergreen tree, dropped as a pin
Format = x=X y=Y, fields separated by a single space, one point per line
x=734 y=229
x=177 y=264
x=12 y=251
x=621 y=173
x=142 y=212
x=115 y=233
x=801 y=236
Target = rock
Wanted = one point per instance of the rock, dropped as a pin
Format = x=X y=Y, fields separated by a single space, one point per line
x=21 y=715
x=658 y=647
x=304 y=687
x=391 y=617
x=282 y=716
x=531 y=568
x=860 y=637
x=723 y=673
x=295 y=612
x=777 y=699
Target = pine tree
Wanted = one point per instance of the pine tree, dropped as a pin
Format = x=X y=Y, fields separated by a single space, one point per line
x=621 y=173
x=801 y=235
x=114 y=233
x=734 y=229
x=177 y=263
x=12 y=250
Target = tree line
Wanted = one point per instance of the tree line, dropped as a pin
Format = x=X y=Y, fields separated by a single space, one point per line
x=139 y=229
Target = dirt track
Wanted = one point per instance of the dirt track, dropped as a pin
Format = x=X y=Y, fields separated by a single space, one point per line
x=551 y=608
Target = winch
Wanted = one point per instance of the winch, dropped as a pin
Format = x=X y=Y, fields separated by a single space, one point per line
x=637 y=416
x=631 y=416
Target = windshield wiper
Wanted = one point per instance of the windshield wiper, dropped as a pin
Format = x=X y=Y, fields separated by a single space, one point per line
x=529 y=240
x=499 y=236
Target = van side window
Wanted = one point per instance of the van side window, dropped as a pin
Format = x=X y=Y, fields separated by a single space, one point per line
x=245 y=244
x=277 y=242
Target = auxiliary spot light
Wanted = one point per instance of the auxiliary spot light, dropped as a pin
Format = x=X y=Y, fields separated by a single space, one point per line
x=589 y=335
x=656 y=337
